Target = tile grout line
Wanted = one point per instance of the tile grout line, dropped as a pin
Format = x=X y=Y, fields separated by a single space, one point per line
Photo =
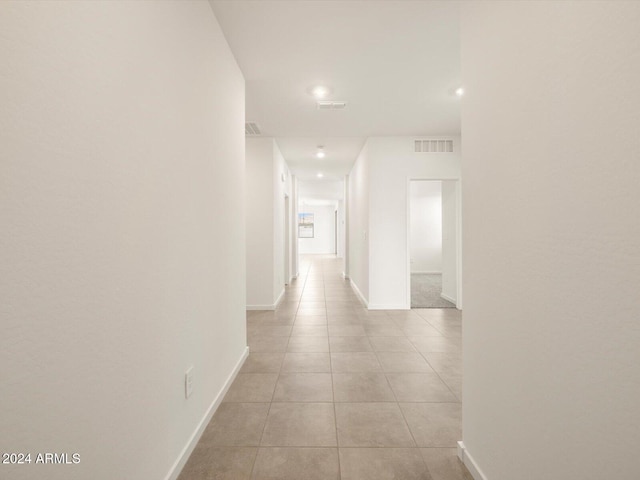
x=275 y=386
x=424 y=463
x=441 y=379
x=397 y=402
x=323 y=263
x=422 y=354
x=270 y=403
x=333 y=392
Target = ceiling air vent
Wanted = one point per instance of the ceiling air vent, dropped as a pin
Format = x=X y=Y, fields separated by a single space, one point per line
x=251 y=128
x=433 y=146
x=331 y=105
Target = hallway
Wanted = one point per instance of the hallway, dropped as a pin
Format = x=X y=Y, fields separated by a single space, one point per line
x=331 y=390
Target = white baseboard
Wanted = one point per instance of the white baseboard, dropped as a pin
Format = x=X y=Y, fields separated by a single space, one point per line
x=359 y=293
x=280 y=297
x=427 y=273
x=179 y=464
x=261 y=307
x=370 y=306
x=268 y=307
x=345 y=276
x=392 y=306
x=469 y=462
x=448 y=298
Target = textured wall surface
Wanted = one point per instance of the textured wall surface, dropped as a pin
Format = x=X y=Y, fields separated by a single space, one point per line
x=358 y=192
x=425 y=226
x=392 y=162
x=122 y=238
x=259 y=218
x=551 y=239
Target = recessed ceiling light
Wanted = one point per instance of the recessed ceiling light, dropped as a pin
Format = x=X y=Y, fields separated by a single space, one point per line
x=459 y=91
x=320 y=175
x=320 y=153
x=320 y=91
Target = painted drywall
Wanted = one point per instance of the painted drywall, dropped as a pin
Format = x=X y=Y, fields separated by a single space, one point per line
x=281 y=189
x=551 y=239
x=268 y=182
x=122 y=240
x=425 y=226
x=450 y=240
x=294 y=230
x=323 y=241
x=358 y=224
x=259 y=218
x=345 y=259
x=341 y=229
x=392 y=162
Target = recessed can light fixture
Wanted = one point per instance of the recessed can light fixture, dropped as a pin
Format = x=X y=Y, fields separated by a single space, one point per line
x=459 y=91
x=320 y=91
x=320 y=153
x=320 y=175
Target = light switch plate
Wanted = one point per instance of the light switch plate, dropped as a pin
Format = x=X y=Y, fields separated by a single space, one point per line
x=188 y=382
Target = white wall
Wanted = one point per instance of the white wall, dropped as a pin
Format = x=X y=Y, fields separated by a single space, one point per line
x=324 y=230
x=259 y=217
x=450 y=220
x=425 y=227
x=345 y=259
x=294 y=227
x=265 y=220
x=551 y=239
x=392 y=162
x=358 y=224
x=281 y=188
x=122 y=241
x=341 y=229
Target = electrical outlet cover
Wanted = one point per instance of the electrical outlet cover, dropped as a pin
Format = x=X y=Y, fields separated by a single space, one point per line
x=188 y=382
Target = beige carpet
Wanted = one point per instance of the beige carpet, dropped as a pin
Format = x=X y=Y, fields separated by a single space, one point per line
x=425 y=291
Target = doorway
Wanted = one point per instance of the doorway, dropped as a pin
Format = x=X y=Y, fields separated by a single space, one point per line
x=287 y=241
x=335 y=232
x=433 y=251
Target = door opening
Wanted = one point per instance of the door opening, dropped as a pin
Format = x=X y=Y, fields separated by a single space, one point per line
x=335 y=231
x=433 y=271
x=287 y=241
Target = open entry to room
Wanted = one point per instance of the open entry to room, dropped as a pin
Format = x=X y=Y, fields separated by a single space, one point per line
x=320 y=217
x=433 y=243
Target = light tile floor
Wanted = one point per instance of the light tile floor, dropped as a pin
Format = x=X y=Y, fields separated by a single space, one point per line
x=333 y=391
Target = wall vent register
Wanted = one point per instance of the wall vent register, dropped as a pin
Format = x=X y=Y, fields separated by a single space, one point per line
x=251 y=128
x=433 y=146
x=331 y=105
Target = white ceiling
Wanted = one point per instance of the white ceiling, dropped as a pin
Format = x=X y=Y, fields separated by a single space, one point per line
x=340 y=154
x=325 y=191
x=395 y=63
